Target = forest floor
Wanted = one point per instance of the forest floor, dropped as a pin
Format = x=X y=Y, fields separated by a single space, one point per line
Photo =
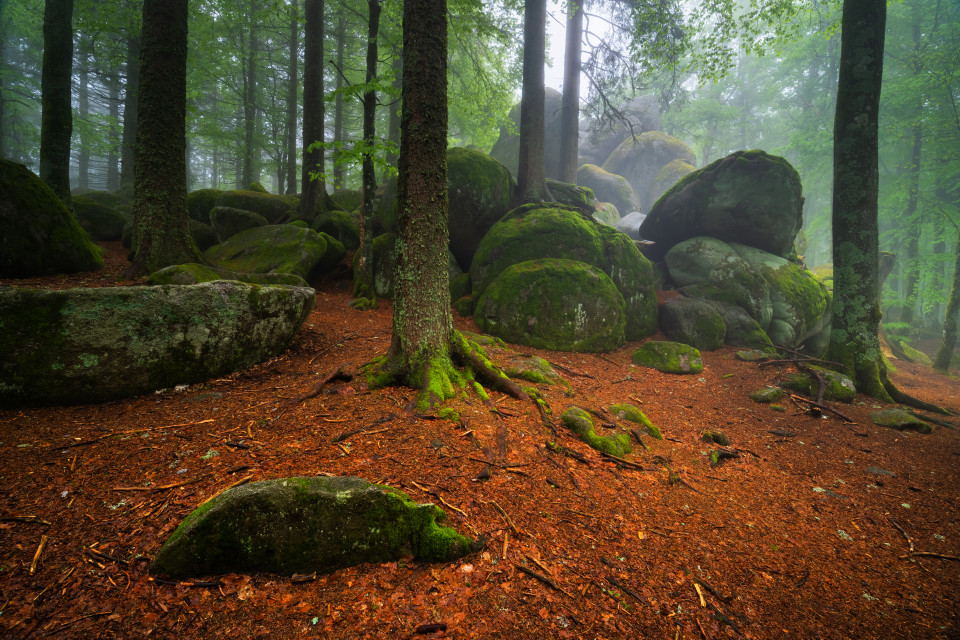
x=816 y=530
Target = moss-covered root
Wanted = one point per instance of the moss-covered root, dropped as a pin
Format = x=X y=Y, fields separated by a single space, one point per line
x=906 y=399
x=472 y=355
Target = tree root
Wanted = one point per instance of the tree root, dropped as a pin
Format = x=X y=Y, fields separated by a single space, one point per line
x=910 y=401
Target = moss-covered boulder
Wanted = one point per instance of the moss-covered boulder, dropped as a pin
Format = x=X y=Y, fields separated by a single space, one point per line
x=341 y=225
x=608 y=187
x=640 y=160
x=555 y=304
x=109 y=199
x=607 y=214
x=900 y=420
x=749 y=197
x=347 y=199
x=669 y=175
x=200 y=202
x=604 y=135
x=837 y=387
x=529 y=368
x=277 y=248
x=228 y=221
x=98 y=220
x=305 y=525
x=631 y=413
x=194 y=273
x=74 y=346
x=580 y=422
x=40 y=236
x=479 y=189
x=630 y=224
x=275 y=209
x=538 y=231
x=578 y=197
x=669 y=357
x=767 y=395
x=506 y=149
x=203 y=234
x=694 y=322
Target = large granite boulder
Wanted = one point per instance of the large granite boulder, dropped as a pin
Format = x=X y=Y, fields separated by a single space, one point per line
x=562 y=305
x=669 y=175
x=668 y=357
x=274 y=208
x=506 y=149
x=101 y=222
x=40 y=236
x=608 y=187
x=790 y=304
x=74 y=346
x=641 y=159
x=341 y=225
x=306 y=525
x=200 y=202
x=537 y=231
x=279 y=248
x=229 y=221
x=630 y=224
x=602 y=137
x=579 y=197
x=195 y=273
x=479 y=189
x=694 y=322
x=749 y=197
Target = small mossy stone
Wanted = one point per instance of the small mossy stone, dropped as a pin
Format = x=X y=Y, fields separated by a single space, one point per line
x=464 y=306
x=303 y=525
x=900 y=420
x=634 y=414
x=573 y=195
x=579 y=422
x=669 y=357
x=716 y=436
x=838 y=387
x=274 y=208
x=609 y=187
x=767 y=395
x=607 y=214
x=753 y=355
x=257 y=187
x=530 y=368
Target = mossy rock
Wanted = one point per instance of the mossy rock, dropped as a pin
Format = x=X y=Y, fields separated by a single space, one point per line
x=607 y=214
x=741 y=329
x=464 y=306
x=839 y=388
x=109 y=199
x=609 y=187
x=76 y=346
x=575 y=196
x=40 y=236
x=767 y=395
x=479 y=189
x=460 y=286
x=341 y=225
x=530 y=368
x=194 y=273
x=900 y=420
x=306 y=525
x=347 y=199
x=99 y=221
x=275 y=209
x=298 y=223
x=228 y=221
x=692 y=322
x=506 y=149
x=669 y=175
x=257 y=187
x=538 y=231
x=716 y=436
x=561 y=305
x=749 y=197
x=633 y=414
x=605 y=134
x=669 y=357
x=580 y=422
x=274 y=249
x=915 y=355
x=640 y=159
x=203 y=235
x=200 y=202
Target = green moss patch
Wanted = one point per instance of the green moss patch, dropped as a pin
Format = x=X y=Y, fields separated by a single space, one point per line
x=634 y=414
x=839 y=388
x=767 y=395
x=900 y=420
x=669 y=357
x=580 y=422
x=275 y=249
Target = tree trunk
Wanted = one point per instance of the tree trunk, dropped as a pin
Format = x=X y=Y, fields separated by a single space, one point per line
x=3 y=63
x=570 y=109
x=314 y=189
x=55 y=97
x=292 y=84
x=161 y=234
x=393 y=130
x=251 y=152
x=949 y=341
x=338 y=168
x=113 y=158
x=531 y=176
x=854 y=338
x=363 y=276
x=83 y=112
x=912 y=279
x=130 y=108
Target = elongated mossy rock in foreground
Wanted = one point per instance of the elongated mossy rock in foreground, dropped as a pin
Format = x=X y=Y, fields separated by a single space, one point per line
x=75 y=346
x=669 y=357
x=301 y=525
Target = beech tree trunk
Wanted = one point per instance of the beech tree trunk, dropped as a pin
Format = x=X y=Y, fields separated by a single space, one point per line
x=56 y=125
x=363 y=277
x=570 y=108
x=854 y=338
x=292 y=84
x=314 y=190
x=338 y=168
x=161 y=235
x=949 y=341
x=251 y=151
x=912 y=280
x=531 y=174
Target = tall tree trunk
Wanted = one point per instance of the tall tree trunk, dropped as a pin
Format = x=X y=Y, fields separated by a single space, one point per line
x=130 y=109
x=570 y=109
x=856 y=308
x=4 y=21
x=113 y=158
x=913 y=261
x=363 y=276
x=161 y=234
x=949 y=341
x=338 y=168
x=292 y=84
x=251 y=151
x=531 y=175
x=55 y=97
x=83 y=112
x=314 y=196
x=393 y=126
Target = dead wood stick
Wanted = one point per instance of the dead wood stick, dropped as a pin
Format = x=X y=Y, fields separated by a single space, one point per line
x=714 y=592
x=824 y=407
x=506 y=543
x=930 y=554
x=539 y=564
x=618 y=460
x=542 y=578
x=571 y=371
x=440 y=498
x=36 y=556
x=336 y=374
x=570 y=453
x=627 y=590
x=723 y=618
x=24 y=519
x=807 y=358
x=299 y=578
x=239 y=482
x=70 y=623
x=516 y=531
x=936 y=421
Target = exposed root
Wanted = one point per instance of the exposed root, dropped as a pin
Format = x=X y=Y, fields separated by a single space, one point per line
x=910 y=401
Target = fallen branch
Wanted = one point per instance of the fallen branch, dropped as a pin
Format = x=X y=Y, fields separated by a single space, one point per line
x=516 y=531
x=337 y=374
x=627 y=590
x=570 y=453
x=542 y=578
x=823 y=407
x=621 y=461
x=24 y=519
x=571 y=371
x=930 y=554
x=70 y=623
x=936 y=421
x=36 y=556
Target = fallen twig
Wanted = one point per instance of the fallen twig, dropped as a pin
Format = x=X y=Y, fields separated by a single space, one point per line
x=627 y=590
x=506 y=517
x=24 y=519
x=70 y=623
x=621 y=461
x=930 y=554
x=36 y=556
x=336 y=374
x=823 y=407
x=559 y=448
x=542 y=578
x=905 y=534
x=298 y=578
x=571 y=371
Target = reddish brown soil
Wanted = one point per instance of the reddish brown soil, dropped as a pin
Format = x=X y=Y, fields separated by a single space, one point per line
x=795 y=538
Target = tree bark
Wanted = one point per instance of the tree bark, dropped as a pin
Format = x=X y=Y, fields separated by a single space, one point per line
x=3 y=62
x=314 y=189
x=949 y=341
x=113 y=158
x=393 y=126
x=251 y=151
x=363 y=276
x=570 y=109
x=854 y=338
x=55 y=97
x=130 y=108
x=531 y=175
x=83 y=112
x=912 y=280
x=292 y=84
x=161 y=234
x=338 y=168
